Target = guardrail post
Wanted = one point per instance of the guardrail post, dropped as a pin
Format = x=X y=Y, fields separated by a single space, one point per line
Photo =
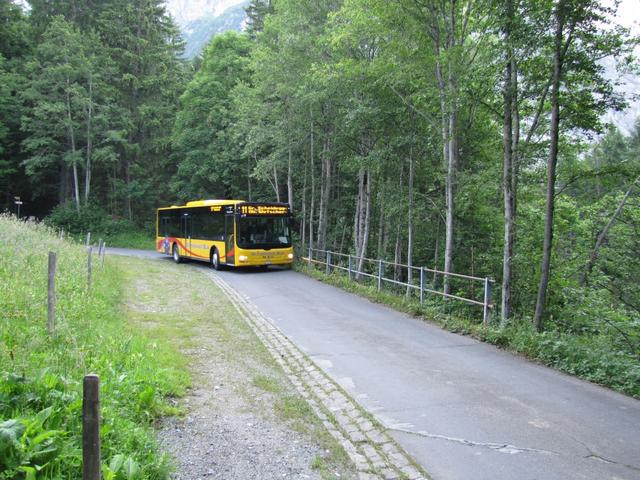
x=379 y=275
x=309 y=256
x=487 y=302
x=349 y=267
x=91 y=428
x=421 y=285
x=328 y=270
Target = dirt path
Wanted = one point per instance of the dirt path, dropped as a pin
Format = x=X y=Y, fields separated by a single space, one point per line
x=243 y=418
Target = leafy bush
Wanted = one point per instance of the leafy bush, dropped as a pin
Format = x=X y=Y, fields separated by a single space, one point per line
x=117 y=232
x=90 y=218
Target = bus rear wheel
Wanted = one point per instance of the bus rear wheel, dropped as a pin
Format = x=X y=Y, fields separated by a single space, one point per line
x=176 y=254
x=215 y=260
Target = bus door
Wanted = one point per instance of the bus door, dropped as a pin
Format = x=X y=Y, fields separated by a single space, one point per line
x=164 y=233
x=229 y=238
x=186 y=227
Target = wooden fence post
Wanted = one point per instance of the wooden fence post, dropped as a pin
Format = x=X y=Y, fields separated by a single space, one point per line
x=51 y=294
x=104 y=252
x=349 y=267
x=379 y=274
x=328 y=268
x=88 y=238
x=89 y=255
x=91 y=428
x=421 y=285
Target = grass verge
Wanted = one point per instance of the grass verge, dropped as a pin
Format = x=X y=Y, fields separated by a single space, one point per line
x=41 y=374
x=588 y=357
x=136 y=239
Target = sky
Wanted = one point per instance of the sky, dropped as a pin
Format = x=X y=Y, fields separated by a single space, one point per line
x=628 y=16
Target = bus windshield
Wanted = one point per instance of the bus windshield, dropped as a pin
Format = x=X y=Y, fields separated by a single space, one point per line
x=264 y=232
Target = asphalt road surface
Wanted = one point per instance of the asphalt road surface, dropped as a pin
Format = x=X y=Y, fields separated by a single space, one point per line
x=463 y=409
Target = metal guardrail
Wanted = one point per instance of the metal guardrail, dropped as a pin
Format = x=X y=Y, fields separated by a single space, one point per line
x=348 y=263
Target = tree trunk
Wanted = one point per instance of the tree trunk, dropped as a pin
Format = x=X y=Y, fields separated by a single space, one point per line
x=87 y=176
x=72 y=140
x=276 y=185
x=545 y=268
x=397 y=256
x=410 y=222
x=381 y=225
x=507 y=172
x=450 y=193
x=303 y=233
x=312 y=206
x=436 y=252
x=325 y=191
x=255 y=160
x=290 y=178
x=364 y=220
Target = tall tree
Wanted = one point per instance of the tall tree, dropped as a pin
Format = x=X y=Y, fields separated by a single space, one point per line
x=203 y=135
x=68 y=124
x=145 y=45
x=576 y=51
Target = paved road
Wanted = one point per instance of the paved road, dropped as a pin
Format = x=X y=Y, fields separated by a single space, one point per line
x=463 y=409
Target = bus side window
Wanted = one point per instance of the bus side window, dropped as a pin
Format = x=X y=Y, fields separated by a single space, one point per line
x=208 y=225
x=174 y=224
x=164 y=226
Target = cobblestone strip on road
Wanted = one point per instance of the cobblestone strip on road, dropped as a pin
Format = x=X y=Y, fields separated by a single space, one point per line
x=375 y=454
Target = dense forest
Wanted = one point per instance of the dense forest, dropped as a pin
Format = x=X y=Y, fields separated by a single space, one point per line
x=462 y=135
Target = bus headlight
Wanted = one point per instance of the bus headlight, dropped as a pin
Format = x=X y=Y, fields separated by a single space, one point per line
x=290 y=256
x=243 y=258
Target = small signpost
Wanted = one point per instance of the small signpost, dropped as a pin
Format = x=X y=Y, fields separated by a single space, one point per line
x=17 y=202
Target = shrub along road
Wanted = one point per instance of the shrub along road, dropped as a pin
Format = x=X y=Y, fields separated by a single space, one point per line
x=462 y=408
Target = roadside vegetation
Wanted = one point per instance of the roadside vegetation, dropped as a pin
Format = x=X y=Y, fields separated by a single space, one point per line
x=142 y=336
x=41 y=374
x=115 y=231
x=607 y=356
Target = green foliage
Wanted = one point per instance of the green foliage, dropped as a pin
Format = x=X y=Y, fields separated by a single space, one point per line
x=115 y=231
x=41 y=375
x=91 y=218
x=207 y=165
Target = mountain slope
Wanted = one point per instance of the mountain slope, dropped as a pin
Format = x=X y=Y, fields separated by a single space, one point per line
x=197 y=33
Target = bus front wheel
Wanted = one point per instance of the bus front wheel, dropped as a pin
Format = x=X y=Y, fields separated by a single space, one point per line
x=215 y=260
x=176 y=253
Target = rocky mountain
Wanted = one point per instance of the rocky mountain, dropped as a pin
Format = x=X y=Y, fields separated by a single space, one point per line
x=200 y=20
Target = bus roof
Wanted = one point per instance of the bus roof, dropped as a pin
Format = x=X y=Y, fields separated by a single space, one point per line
x=204 y=203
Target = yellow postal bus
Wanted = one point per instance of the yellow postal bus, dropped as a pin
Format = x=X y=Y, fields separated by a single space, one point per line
x=226 y=233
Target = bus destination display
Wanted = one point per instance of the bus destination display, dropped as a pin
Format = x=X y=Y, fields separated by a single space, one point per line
x=266 y=210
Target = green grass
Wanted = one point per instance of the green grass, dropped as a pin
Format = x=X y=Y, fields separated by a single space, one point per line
x=41 y=375
x=136 y=239
x=268 y=384
x=589 y=357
